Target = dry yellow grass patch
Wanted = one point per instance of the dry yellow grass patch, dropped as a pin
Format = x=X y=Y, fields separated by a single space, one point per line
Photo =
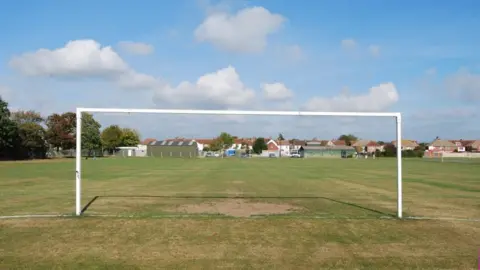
x=237 y=208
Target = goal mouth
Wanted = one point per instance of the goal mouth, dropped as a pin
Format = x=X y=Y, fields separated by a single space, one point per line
x=242 y=200
x=230 y=206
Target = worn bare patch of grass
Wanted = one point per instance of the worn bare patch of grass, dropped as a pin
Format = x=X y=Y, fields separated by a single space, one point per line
x=237 y=208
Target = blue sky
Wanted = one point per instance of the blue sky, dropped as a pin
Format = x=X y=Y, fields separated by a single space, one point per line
x=420 y=58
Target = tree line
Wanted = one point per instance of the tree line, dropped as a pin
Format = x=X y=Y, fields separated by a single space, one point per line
x=27 y=134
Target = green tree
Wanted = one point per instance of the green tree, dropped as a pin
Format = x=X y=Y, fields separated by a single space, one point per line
x=130 y=137
x=390 y=150
x=32 y=140
x=22 y=117
x=61 y=129
x=259 y=145
x=280 y=137
x=421 y=147
x=8 y=132
x=348 y=138
x=226 y=139
x=112 y=137
x=32 y=134
x=216 y=145
x=91 y=139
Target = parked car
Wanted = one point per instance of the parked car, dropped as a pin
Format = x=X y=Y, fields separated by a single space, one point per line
x=295 y=156
x=272 y=155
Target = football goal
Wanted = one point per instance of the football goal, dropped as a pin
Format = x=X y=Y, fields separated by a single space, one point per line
x=161 y=157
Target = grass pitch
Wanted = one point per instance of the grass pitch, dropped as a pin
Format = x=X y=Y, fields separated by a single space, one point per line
x=304 y=214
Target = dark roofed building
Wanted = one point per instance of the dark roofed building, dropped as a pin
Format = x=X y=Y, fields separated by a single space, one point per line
x=173 y=148
x=327 y=151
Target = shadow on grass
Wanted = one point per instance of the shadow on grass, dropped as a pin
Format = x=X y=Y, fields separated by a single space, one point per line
x=237 y=197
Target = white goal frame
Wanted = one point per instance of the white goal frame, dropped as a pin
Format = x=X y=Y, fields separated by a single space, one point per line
x=78 y=156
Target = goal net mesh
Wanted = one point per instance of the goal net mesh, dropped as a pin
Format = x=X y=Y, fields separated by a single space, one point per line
x=233 y=165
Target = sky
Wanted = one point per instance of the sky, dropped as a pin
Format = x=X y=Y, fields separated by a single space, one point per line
x=419 y=58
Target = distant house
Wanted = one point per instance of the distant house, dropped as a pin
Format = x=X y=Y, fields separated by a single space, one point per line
x=339 y=142
x=368 y=146
x=335 y=151
x=473 y=146
x=296 y=146
x=461 y=145
x=131 y=151
x=173 y=148
x=439 y=145
x=203 y=143
x=284 y=146
x=407 y=144
x=467 y=145
x=242 y=143
x=330 y=142
x=313 y=143
x=279 y=148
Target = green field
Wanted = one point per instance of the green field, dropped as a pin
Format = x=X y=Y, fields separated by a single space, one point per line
x=240 y=213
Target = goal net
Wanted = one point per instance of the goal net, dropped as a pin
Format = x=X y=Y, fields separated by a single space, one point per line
x=156 y=162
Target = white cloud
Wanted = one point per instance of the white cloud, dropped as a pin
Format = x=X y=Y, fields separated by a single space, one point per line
x=348 y=44
x=222 y=88
x=134 y=80
x=82 y=58
x=77 y=58
x=464 y=85
x=276 y=92
x=374 y=50
x=378 y=98
x=245 y=31
x=136 y=47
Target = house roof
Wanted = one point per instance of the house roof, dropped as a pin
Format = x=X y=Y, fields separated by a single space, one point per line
x=324 y=142
x=147 y=141
x=442 y=143
x=248 y=141
x=339 y=142
x=298 y=142
x=372 y=143
x=365 y=143
x=173 y=143
x=314 y=143
x=473 y=143
x=272 y=145
x=204 y=141
x=335 y=147
x=284 y=142
x=463 y=142
x=407 y=143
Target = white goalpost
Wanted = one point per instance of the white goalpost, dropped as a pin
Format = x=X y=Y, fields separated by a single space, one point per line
x=78 y=156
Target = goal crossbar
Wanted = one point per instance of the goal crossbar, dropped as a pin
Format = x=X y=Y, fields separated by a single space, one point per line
x=78 y=156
